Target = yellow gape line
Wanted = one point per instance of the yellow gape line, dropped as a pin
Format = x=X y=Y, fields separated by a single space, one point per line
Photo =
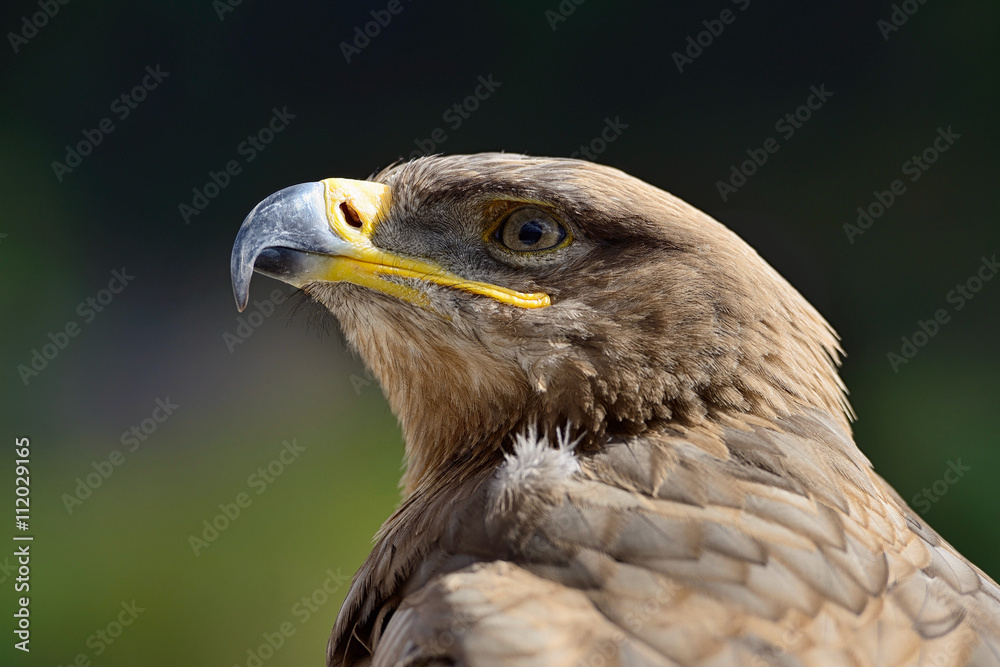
x=353 y=209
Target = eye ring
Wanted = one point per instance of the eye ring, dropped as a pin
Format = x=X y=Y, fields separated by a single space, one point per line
x=529 y=230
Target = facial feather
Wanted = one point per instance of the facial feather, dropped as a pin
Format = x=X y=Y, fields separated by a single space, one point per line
x=659 y=313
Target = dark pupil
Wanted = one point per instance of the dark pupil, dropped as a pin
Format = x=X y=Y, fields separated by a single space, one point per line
x=531 y=232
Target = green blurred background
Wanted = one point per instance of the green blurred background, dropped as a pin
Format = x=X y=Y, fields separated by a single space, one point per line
x=162 y=336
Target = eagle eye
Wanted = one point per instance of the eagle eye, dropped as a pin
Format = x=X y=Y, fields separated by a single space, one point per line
x=530 y=230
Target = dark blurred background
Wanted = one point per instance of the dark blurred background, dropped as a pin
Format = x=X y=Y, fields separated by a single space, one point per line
x=216 y=78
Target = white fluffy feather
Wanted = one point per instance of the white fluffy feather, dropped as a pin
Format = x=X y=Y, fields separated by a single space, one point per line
x=535 y=465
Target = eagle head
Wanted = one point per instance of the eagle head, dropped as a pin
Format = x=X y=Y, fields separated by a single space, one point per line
x=493 y=293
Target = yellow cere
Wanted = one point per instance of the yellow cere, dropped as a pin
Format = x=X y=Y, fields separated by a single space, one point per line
x=369 y=202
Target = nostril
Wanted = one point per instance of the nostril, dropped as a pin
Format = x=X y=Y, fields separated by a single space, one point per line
x=350 y=215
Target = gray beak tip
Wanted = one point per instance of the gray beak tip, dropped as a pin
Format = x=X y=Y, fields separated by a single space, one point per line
x=241 y=290
x=294 y=217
